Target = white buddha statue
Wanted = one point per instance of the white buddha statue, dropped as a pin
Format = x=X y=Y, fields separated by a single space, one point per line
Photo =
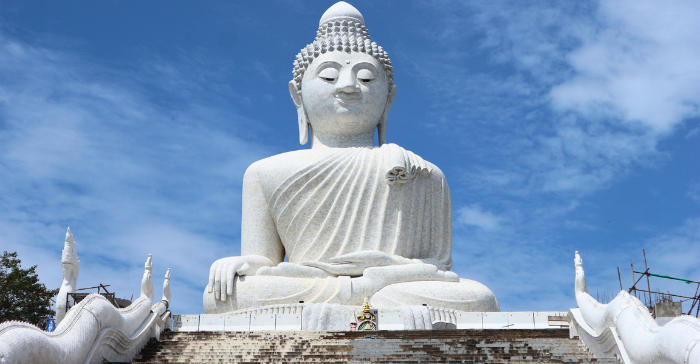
x=351 y=218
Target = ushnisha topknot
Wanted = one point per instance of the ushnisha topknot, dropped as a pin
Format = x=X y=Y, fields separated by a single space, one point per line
x=341 y=29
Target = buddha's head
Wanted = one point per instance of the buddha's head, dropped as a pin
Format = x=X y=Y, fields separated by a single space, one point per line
x=343 y=82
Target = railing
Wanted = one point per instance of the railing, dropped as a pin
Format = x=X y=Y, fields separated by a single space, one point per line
x=92 y=331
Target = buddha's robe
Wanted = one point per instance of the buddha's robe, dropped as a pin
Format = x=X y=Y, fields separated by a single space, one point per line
x=385 y=199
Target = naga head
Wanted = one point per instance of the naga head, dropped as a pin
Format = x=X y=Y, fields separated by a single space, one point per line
x=69 y=258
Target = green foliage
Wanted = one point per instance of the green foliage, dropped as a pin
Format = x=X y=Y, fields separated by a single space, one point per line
x=22 y=297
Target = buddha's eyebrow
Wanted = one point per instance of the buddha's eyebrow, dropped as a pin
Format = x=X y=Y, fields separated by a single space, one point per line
x=365 y=65
x=327 y=64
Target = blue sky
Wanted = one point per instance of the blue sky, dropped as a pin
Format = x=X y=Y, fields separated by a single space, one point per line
x=560 y=126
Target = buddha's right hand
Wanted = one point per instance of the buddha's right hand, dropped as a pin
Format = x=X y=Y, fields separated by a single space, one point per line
x=223 y=272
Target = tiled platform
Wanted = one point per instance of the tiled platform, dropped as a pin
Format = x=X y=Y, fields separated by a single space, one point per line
x=386 y=321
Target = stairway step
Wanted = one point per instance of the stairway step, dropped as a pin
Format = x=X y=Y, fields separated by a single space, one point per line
x=448 y=346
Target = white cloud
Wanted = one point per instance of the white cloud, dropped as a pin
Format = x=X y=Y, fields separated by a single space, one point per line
x=98 y=150
x=639 y=65
x=474 y=215
x=566 y=97
x=530 y=267
x=524 y=267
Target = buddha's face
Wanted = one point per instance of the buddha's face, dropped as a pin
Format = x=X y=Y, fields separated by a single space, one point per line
x=344 y=93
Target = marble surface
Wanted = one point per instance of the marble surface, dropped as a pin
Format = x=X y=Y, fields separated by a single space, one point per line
x=70 y=266
x=624 y=328
x=326 y=316
x=351 y=218
x=92 y=331
x=469 y=297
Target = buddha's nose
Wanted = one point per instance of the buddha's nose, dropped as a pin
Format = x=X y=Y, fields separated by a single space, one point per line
x=347 y=83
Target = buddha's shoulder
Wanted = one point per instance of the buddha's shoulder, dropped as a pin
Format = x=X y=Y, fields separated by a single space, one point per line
x=436 y=172
x=273 y=170
x=279 y=166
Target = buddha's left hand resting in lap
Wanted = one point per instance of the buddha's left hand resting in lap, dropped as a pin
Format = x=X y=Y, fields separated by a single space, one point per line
x=351 y=218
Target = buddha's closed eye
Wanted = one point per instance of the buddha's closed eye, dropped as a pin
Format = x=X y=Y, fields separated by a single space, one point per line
x=329 y=74
x=365 y=75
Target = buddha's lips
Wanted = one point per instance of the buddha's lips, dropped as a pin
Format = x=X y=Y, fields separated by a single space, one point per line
x=349 y=99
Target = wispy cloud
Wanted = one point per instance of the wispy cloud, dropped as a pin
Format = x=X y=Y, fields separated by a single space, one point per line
x=639 y=65
x=694 y=191
x=677 y=251
x=592 y=87
x=126 y=158
x=522 y=258
x=262 y=69
x=674 y=253
x=551 y=103
x=537 y=107
x=474 y=215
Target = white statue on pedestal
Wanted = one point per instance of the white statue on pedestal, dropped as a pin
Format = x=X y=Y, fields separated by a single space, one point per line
x=351 y=218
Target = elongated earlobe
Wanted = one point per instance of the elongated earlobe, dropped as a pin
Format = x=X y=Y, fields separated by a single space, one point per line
x=301 y=113
x=303 y=126
x=381 y=127
x=381 y=131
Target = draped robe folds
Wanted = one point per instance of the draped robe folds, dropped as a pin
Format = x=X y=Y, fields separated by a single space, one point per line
x=384 y=198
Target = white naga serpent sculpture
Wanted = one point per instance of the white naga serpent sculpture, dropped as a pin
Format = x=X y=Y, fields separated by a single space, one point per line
x=91 y=331
x=625 y=328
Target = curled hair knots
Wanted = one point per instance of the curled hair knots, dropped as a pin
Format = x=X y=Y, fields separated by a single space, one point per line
x=341 y=35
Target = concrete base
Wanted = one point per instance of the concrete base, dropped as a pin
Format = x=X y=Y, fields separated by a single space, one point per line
x=326 y=317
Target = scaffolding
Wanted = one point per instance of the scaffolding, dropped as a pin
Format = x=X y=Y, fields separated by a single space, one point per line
x=651 y=298
x=76 y=297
